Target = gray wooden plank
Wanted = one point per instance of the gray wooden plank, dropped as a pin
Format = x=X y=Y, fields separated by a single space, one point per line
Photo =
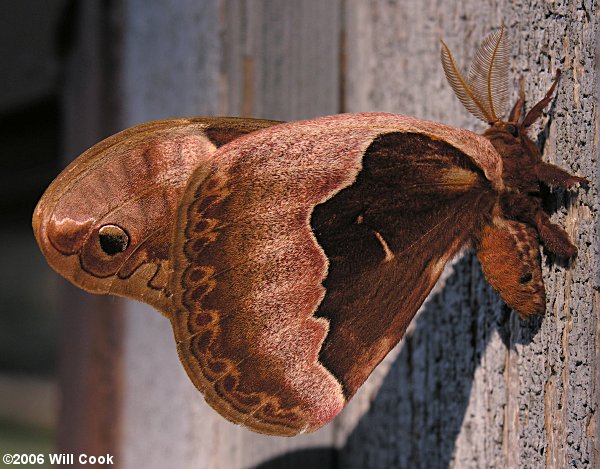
x=282 y=58
x=170 y=68
x=202 y=58
x=473 y=386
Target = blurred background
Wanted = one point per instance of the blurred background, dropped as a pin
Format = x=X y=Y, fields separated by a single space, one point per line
x=470 y=386
x=32 y=51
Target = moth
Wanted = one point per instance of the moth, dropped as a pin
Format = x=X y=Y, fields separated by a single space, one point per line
x=291 y=257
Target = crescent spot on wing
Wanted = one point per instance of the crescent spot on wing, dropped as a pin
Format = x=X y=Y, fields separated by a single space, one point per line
x=280 y=265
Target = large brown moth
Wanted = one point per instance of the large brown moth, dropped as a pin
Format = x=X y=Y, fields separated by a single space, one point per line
x=291 y=257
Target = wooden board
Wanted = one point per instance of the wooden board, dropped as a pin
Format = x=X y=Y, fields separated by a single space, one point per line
x=196 y=67
x=473 y=386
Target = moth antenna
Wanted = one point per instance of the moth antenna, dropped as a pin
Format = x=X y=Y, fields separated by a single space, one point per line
x=461 y=87
x=516 y=113
x=488 y=75
x=536 y=111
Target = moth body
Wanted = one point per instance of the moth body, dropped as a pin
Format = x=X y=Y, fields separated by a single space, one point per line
x=508 y=245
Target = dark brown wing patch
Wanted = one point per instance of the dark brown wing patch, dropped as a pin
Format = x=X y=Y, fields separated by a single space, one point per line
x=387 y=237
x=223 y=130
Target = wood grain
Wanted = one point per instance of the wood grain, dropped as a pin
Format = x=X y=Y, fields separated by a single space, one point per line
x=157 y=85
x=473 y=386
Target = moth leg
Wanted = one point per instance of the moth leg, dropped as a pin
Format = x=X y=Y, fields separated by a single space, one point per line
x=527 y=210
x=510 y=259
x=554 y=176
x=554 y=237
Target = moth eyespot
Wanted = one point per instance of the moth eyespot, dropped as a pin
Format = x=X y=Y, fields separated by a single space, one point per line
x=526 y=278
x=512 y=130
x=113 y=239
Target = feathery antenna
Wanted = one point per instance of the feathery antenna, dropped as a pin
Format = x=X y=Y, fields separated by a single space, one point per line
x=484 y=93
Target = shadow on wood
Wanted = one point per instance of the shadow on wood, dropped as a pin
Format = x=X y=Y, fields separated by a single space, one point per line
x=422 y=404
x=310 y=457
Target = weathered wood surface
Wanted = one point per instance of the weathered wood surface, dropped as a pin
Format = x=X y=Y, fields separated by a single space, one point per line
x=173 y=67
x=471 y=386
